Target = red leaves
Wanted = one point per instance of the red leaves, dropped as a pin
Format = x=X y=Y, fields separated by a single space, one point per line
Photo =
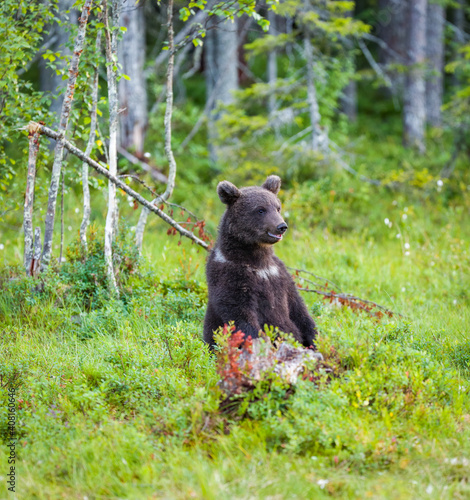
x=229 y=368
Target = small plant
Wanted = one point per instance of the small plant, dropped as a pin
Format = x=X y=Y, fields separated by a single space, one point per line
x=85 y=270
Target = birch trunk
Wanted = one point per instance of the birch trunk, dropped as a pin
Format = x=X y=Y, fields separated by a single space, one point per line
x=414 y=110
x=139 y=233
x=88 y=150
x=111 y=60
x=221 y=73
x=59 y=148
x=435 y=63
x=133 y=92
x=37 y=252
x=29 y=198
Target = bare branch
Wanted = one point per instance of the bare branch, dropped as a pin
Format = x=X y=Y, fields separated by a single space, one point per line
x=121 y=185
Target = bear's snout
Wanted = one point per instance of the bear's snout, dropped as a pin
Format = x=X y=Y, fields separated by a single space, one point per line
x=282 y=228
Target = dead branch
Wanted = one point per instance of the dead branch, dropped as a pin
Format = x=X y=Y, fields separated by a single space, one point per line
x=356 y=303
x=120 y=184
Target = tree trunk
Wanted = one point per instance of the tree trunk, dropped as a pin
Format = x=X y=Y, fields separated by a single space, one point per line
x=458 y=38
x=49 y=80
x=59 y=148
x=392 y=30
x=272 y=64
x=29 y=198
x=88 y=150
x=318 y=139
x=111 y=61
x=435 y=63
x=168 y=116
x=221 y=74
x=414 y=110
x=133 y=92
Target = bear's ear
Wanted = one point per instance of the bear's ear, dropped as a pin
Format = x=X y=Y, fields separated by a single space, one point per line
x=272 y=183
x=228 y=192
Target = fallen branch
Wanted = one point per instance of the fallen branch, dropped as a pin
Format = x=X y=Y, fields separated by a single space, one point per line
x=355 y=303
x=120 y=184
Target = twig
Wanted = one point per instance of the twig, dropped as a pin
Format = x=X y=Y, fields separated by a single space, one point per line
x=120 y=184
x=351 y=299
x=314 y=275
x=154 y=173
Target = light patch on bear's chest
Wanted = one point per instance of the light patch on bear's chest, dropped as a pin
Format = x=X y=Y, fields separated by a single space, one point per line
x=219 y=256
x=267 y=272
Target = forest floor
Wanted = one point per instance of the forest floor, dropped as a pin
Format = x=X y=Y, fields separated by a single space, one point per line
x=119 y=398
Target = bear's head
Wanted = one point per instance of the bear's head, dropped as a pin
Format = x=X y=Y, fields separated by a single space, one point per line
x=253 y=214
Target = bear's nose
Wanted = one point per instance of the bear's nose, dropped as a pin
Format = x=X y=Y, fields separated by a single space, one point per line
x=282 y=228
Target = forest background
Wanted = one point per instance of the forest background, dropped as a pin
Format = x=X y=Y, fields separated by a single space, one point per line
x=363 y=110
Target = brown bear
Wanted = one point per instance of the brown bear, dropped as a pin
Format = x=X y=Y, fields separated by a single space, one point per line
x=247 y=283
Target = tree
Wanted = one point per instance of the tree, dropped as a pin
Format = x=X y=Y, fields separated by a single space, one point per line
x=414 y=109
x=59 y=147
x=435 y=62
x=132 y=86
x=392 y=31
x=53 y=67
x=221 y=73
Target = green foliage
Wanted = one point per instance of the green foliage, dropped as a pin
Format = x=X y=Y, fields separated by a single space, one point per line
x=85 y=271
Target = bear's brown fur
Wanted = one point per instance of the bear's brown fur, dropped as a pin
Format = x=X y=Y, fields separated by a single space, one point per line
x=247 y=283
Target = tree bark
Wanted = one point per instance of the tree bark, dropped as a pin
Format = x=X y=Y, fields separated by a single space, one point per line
x=167 y=122
x=272 y=64
x=414 y=110
x=111 y=63
x=89 y=149
x=133 y=92
x=435 y=63
x=59 y=148
x=314 y=111
x=37 y=252
x=29 y=198
x=221 y=74
x=392 y=30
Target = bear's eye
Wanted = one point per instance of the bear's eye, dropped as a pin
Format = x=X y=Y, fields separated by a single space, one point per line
x=278 y=209
x=261 y=211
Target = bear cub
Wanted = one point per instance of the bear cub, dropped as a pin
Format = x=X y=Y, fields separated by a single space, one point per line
x=247 y=283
